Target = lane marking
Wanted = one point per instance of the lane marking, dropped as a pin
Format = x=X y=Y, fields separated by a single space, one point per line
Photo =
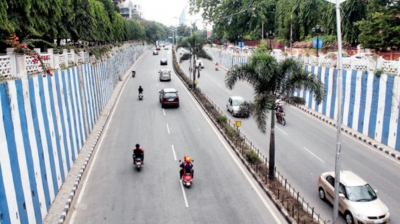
x=157 y=84
x=184 y=195
x=313 y=154
x=173 y=150
x=164 y=113
x=95 y=156
x=281 y=130
x=233 y=157
x=168 y=129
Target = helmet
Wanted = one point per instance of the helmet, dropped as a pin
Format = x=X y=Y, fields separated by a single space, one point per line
x=137 y=145
x=186 y=156
x=140 y=86
x=188 y=159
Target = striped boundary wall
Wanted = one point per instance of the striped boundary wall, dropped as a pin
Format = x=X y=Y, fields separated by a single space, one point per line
x=45 y=122
x=370 y=103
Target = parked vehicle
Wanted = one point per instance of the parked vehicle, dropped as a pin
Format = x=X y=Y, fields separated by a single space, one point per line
x=165 y=75
x=169 y=97
x=358 y=202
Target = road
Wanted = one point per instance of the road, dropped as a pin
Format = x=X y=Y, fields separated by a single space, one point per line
x=306 y=147
x=114 y=192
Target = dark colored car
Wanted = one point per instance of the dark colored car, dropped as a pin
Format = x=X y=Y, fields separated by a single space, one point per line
x=169 y=97
x=155 y=52
x=163 y=61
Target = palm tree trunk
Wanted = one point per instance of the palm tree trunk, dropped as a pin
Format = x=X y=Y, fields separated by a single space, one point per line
x=272 y=147
x=194 y=73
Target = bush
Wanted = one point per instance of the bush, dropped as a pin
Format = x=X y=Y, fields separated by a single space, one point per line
x=252 y=157
x=222 y=119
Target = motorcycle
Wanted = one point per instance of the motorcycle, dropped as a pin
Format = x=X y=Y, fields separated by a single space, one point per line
x=138 y=163
x=133 y=74
x=281 y=119
x=187 y=178
x=140 y=96
x=216 y=68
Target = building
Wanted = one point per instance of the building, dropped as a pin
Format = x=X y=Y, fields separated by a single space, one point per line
x=130 y=10
x=182 y=17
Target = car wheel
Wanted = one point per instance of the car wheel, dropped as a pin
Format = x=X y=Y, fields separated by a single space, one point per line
x=177 y=106
x=349 y=218
x=322 y=194
x=162 y=105
x=227 y=108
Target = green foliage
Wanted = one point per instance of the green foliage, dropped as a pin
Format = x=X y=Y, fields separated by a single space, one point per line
x=252 y=157
x=378 y=72
x=381 y=27
x=222 y=119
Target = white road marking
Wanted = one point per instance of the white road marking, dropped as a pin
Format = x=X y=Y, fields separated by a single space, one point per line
x=173 y=150
x=164 y=113
x=313 y=154
x=157 y=84
x=184 y=195
x=281 y=130
x=233 y=157
x=168 y=129
x=95 y=156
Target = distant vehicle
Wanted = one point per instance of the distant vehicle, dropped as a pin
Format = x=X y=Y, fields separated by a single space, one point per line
x=198 y=62
x=358 y=202
x=158 y=48
x=155 y=52
x=276 y=52
x=233 y=106
x=165 y=74
x=165 y=48
x=163 y=61
x=169 y=97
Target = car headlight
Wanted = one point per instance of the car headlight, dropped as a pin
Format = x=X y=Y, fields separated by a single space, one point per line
x=387 y=211
x=360 y=215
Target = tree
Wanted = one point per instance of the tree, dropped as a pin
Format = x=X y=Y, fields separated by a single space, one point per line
x=194 y=44
x=6 y=26
x=381 y=28
x=271 y=81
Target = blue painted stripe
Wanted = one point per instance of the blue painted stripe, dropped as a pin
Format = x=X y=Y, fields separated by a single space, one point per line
x=78 y=105
x=103 y=86
x=90 y=97
x=319 y=78
x=388 y=107
x=63 y=129
x=333 y=97
x=325 y=103
x=39 y=145
x=352 y=98
x=344 y=77
x=4 y=211
x=48 y=136
x=69 y=119
x=374 y=107
x=53 y=112
x=28 y=150
x=93 y=98
x=12 y=151
x=87 y=98
x=304 y=89
x=80 y=94
x=96 y=84
x=364 y=83
x=310 y=98
x=75 y=117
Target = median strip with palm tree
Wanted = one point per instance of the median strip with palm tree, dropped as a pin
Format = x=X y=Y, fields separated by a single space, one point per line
x=272 y=81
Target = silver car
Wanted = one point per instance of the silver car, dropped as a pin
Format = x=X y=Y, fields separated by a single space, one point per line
x=165 y=75
x=233 y=106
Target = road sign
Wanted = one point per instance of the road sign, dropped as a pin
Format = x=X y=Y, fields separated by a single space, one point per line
x=320 y=42
x=238 y=123
x=241 y=44
x=195 y=82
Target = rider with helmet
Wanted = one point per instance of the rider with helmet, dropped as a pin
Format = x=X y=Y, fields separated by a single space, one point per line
x=279 y=111
x=138 y=152
x=187 y=166
x=140 y=89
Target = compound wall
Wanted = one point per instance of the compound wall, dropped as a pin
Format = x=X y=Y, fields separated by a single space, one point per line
x=44 y=123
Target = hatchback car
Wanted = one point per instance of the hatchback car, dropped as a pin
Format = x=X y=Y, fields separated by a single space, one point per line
x=199 y=62
x=165 y=74
x=158 y=48
x=165 y=48
x=163 y=61
x=358 y=202
x=169 y=97
x=155 y=52
x=233 y=106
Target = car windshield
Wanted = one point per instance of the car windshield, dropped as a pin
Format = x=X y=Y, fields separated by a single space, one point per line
x=238 y=102
x=170 y=95
x=361 y=193
x=165 y=72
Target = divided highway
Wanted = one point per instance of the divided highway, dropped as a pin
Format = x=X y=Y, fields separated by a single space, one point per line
x=305 y=148
x=114 y=191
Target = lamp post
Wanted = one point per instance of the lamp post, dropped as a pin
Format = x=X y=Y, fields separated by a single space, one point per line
x=270 y=36
x=317 y=29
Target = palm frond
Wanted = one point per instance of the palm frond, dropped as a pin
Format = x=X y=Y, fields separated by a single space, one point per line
x=246 y=109
x=243 y=72
x=294 y=100
x=185 y=57
x=304 y=79
x=260 y=110
x=201 y=53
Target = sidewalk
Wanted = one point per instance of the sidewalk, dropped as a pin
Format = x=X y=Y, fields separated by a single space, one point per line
x=61 y=204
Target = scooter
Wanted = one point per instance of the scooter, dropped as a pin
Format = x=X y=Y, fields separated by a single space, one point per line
x=140 y=96
x=133 y=74
x=216 y=68
x=281 y=119
x=138 y=163
x=187 y=178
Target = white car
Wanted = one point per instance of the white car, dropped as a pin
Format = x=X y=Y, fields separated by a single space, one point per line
x=199 y=62
x=233 y=105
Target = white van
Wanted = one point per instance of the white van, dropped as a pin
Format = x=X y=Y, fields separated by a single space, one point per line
x=199 y=62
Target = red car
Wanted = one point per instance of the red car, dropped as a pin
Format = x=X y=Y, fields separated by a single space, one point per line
x=158 y=48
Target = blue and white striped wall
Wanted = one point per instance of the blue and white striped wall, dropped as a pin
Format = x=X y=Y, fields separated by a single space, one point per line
x=44 y=123
x=370 y=103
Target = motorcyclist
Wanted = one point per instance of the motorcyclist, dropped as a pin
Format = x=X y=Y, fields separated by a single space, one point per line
x=187 y=166
x=279 y=111
x=216 y=64
x=138 y=152
x=140 y=89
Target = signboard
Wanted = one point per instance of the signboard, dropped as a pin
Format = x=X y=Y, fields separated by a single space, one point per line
x=238 y=123
x=216 y=42
x=226 y=43
x=241 y=44
x=320 y=42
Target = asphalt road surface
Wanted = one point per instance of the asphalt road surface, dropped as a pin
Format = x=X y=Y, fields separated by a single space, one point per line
x=306 y=147
x=115 y=192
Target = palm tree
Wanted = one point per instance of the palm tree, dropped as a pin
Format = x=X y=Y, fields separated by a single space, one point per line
x=271 y=81
x=194 y=44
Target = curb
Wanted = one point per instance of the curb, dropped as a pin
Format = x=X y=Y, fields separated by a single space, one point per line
x=382 y=148
x=75 y=187
x=281 y=209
